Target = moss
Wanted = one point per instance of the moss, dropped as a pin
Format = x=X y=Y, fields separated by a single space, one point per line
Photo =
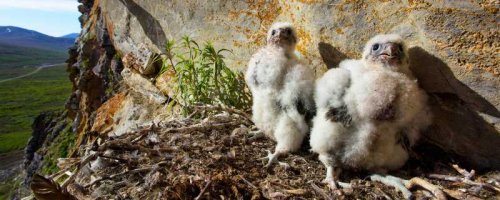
x=118 y=55
x=85 y=63
x=59 y=148
x=88 y=37
x=9 y=187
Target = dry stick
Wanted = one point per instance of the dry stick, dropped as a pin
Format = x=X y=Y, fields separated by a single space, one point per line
x=465 y=173
x=227 y=109
x=61 y=172
x=463 y=180
x=156 y=166
x=203 y=190
x=83 y=163
x=383 y=193
x=140 y=137
x=129 y=147
x=436 y=191
x=320 y=191
x=192 y=114
x=202 y=127
x=459 y=195
x=248 y=182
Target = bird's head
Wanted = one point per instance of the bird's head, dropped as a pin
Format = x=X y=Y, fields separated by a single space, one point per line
x=387 y=50
x=283 y=35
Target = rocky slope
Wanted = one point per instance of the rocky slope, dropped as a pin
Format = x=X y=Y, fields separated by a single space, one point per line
x=454 y=53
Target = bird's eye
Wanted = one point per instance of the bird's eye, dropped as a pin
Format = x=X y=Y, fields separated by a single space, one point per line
x=375 y=47
x=273 y=32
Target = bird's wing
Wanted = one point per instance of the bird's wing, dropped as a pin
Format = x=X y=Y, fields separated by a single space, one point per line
x=251 y=73
x=296 y=98
x=329 y=94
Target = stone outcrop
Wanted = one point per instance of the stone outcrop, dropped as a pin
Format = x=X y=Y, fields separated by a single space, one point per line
x=454 y=49
x=46 y=127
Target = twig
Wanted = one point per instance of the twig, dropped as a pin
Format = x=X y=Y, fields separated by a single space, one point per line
x=140 y=137
x=436 y=191
x=192 y=114
x=465 y=173
x=83 y=163
x=227 y=109
x=156 y=166
x=320 y=191
x=248 y=182
x=203 y=190
x=57 y=174
x=463 y=180
x=202 y=127
x=383 y=193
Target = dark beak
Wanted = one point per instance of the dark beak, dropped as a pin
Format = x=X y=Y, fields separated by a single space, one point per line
x=391 y=50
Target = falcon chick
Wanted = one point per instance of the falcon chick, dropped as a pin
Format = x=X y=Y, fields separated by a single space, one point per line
x=370 y=111
x=282 y=90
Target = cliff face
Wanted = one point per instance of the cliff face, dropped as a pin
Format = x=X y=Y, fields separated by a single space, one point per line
x=454 y=54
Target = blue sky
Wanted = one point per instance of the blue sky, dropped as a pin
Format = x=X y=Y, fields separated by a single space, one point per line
x=51 y=17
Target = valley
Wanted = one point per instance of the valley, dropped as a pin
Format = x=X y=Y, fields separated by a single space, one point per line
x=33 y=79
x=23 y=99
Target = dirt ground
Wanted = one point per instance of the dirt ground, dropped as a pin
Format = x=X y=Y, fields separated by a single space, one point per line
x=214 y=158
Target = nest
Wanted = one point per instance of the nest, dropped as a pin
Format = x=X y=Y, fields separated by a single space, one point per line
x=212 y=158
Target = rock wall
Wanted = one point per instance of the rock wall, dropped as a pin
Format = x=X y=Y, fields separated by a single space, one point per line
x=454 y=53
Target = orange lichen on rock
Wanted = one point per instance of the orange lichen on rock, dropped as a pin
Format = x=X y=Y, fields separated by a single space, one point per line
x=265 y=11
x=104 y=115
x=310 y=1
x=304 y=41
x=166 y=83
x=109 y=27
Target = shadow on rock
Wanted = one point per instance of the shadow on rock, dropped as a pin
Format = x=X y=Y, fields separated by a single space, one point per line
x=457 y=127
x=330 y=55
x=149 y=24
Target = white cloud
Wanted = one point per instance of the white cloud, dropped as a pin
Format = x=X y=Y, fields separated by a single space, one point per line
x=47 y=5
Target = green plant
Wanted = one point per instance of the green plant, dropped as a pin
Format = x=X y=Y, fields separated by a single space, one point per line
x=59 y=148
x=202 y=76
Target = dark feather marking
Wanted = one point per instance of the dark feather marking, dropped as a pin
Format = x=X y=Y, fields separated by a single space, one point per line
x=403 y=140
x=301 y=108
x=254 y=75
x=308 y=113
x=340 y=114
x=299 y=105
x=387 y=113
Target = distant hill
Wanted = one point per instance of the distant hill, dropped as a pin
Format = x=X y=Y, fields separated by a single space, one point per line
x=16 y=56
x=71 y=35
x=15 y=36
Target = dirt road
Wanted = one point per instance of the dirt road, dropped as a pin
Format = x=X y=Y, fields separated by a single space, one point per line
x=31 y=73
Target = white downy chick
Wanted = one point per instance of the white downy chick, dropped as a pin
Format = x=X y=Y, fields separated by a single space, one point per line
x=282 y=90
x=370 y=111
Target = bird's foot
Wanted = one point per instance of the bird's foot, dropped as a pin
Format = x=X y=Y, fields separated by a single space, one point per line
x=331 y=183
x=284 y=165
x=344 y=184
x=271 y=157
x=332 y=173
x=404 y=185
x=398 y=183
x=255 y=135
